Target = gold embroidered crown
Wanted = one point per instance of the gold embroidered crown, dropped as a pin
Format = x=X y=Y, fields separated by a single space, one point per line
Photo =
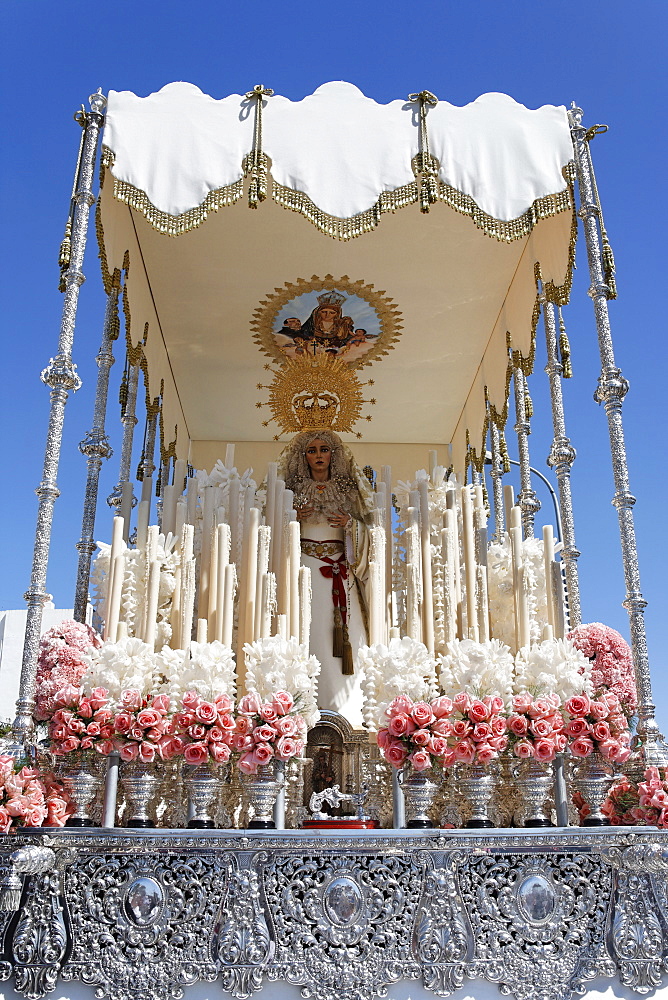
x=315 y=393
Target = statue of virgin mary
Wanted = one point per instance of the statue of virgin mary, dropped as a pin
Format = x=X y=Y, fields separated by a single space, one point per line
x=333 y=500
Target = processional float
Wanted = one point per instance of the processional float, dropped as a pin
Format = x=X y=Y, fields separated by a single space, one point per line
x=403 y=290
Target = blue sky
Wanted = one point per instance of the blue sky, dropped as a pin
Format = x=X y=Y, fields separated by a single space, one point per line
x=609 y=58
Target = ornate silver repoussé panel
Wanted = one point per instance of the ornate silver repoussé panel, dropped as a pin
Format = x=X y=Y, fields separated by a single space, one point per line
x=141 y=916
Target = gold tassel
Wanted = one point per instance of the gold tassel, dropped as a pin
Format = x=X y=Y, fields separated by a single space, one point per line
x=347 y=667
x=337 y=645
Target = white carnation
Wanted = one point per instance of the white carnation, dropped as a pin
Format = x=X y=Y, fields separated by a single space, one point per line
x=405 y=666
x=277 y=664
x=554 y=665
x=481 y=668
x=129 y=663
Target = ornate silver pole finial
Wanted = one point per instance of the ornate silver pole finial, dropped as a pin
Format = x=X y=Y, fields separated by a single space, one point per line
x=61 y=377
x=561 y=458
x=611 y=390
x=256 y=163
x=527 y=500
x=425 y=166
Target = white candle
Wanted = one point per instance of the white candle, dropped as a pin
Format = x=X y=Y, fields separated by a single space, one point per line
x=433 y=462
x=548 y=558
x=451 y=504
x=548 y=633
x=192 y=500
x=263 y=546
x=223 y=555
x=451 y=555
x=305 y=605
x=470 y=564
x=263 y=606
x=277 y=532
x=121 y=631
x=187 y=601
x=234 y=493
x=202 y=630
x=213 y=584
x=181 y=516
x=295 y=564
x=143 y=511
x=126 y=508
x=508 y=504
x=386 y=478
x=152 y=601
x=175 y=615
x=248 y=581
x=281 y=626
x=522 y=610
x=270 y=504
x=180 y=473
x=205 y=554
x=147 y=488
x=115 y=602
x=229 y=456
x=230 y=576
x=374 y=623
x=117 y=545
x=516 y=517
x=427 y=592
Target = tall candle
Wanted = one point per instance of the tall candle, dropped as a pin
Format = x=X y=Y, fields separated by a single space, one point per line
x=427 y=592
x=181 y=516
x=508 y=504
x=470 y=564
x=374 y=624
x=234 y=496
x=277 y=532
x=449 y=537
x=192 y=500
x=433 y=462
x=386 y=478
x=168 y=509
x=229 y=456
x=147 y=488
x=126 y=508
x=515 y=517
x=248 y=581
x=213 y=584
x=451 y=505
x=295 y=563
x=519 y=586
x=187 y=601
x=263 y=546
x=202 y=630
x=117 y=545
x=180 y=473
x=115 y=602
x=175 y=615
x=230 y=578
x=270 y=505
x=548 y=559
x=152 y=602
x=205 y=554
x=143 y=511
x=305 y=605
x=222 y=557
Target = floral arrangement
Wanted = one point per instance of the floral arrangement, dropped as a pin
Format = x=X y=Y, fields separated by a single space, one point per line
x=611 y=662
x=142 y=727
x=500 y=588
x=201 y=730
x=597 y=725
x=644 y=804
x=478 y=728
x=30 y=799
x=267 y=729
x=536 y=727
x=205 y=667
x=277 y=664
x=479 y=668
x=404 y=667
x=554 y=666
x=126 y=665
x=65 y=654
x=81 y=722
x=417 y=733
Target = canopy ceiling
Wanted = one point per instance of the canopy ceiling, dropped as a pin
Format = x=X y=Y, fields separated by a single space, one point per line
x=445 y=288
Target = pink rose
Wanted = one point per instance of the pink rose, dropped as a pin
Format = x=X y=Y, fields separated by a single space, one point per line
x=35 y=815
x=195 y=753
x=148 y=717
x=540 y=708
x=69 y=744
x=521 y=702
x=136 y=732
x=105 y=747
x=540 y=727
x=99 y=698
x=250 y=704
x=241 y=743
x=161 y=703
x=220 y=752
x=247 y=764
x=441 y=707
x=122 y=722
x=420 y=760
x=206 y=713
x=264 y=734
x=481 y=732
x=461 y=728
x=58 y=732
x=560 y=742
x=421 y=737
x=93 y=729
x=216 y=735
x=438 y=746
x=283 y=702
x=85 y=709
x=402 y=705
x=442 y=727
x=383 y=738
x=601 y=731
x=598 y=710
x=131 y=699
x=226 y=721
x=523 y=749
x=517 y=724
x=177 y=745
x=578 y=705
x=498 y=724
x=197 y=732
x=544 y=749
x=86 y=743
x=190 y=700
x=462 y=701
x=286 y=747
x=285 y=726
x=576 y=727
x=129 y=751
x=498 y=742
x=223 y=703
x=494 y=703
x=147 y=752
x=76 y=726
x=395 y=753
x=581 y=746
x=268 y=713
x=243 y=725
x=300 y=744
x=401 y=725
x=478 y=711
x=5 y=820
x=485 y=753
x=464 y=751
x=422 y=714
x=263 y=752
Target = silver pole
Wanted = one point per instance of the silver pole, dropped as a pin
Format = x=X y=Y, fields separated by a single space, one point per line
x=129 y=421
x=526 y=498
x=496 y=472
x=611 y=390
x=561 y=458
x=95 y=446
x=61 y=377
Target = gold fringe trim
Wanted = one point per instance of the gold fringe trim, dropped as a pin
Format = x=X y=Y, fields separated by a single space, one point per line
x=344 y=229
x=163 y=222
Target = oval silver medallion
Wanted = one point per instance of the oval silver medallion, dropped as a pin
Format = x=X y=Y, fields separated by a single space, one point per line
x=536 y=898
x=342 y=900
x=144 y=901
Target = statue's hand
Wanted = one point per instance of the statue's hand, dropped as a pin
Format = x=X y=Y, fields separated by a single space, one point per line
x=304 y=512
x=340 y=520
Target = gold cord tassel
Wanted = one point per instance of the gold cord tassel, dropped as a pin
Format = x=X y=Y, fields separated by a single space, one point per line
x=564 y=348
x=347 y=667
x=503 y=448
x=528 y=404
x=337 y=645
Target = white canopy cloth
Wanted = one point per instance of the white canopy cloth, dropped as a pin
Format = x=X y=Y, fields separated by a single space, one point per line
x=462 y=276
